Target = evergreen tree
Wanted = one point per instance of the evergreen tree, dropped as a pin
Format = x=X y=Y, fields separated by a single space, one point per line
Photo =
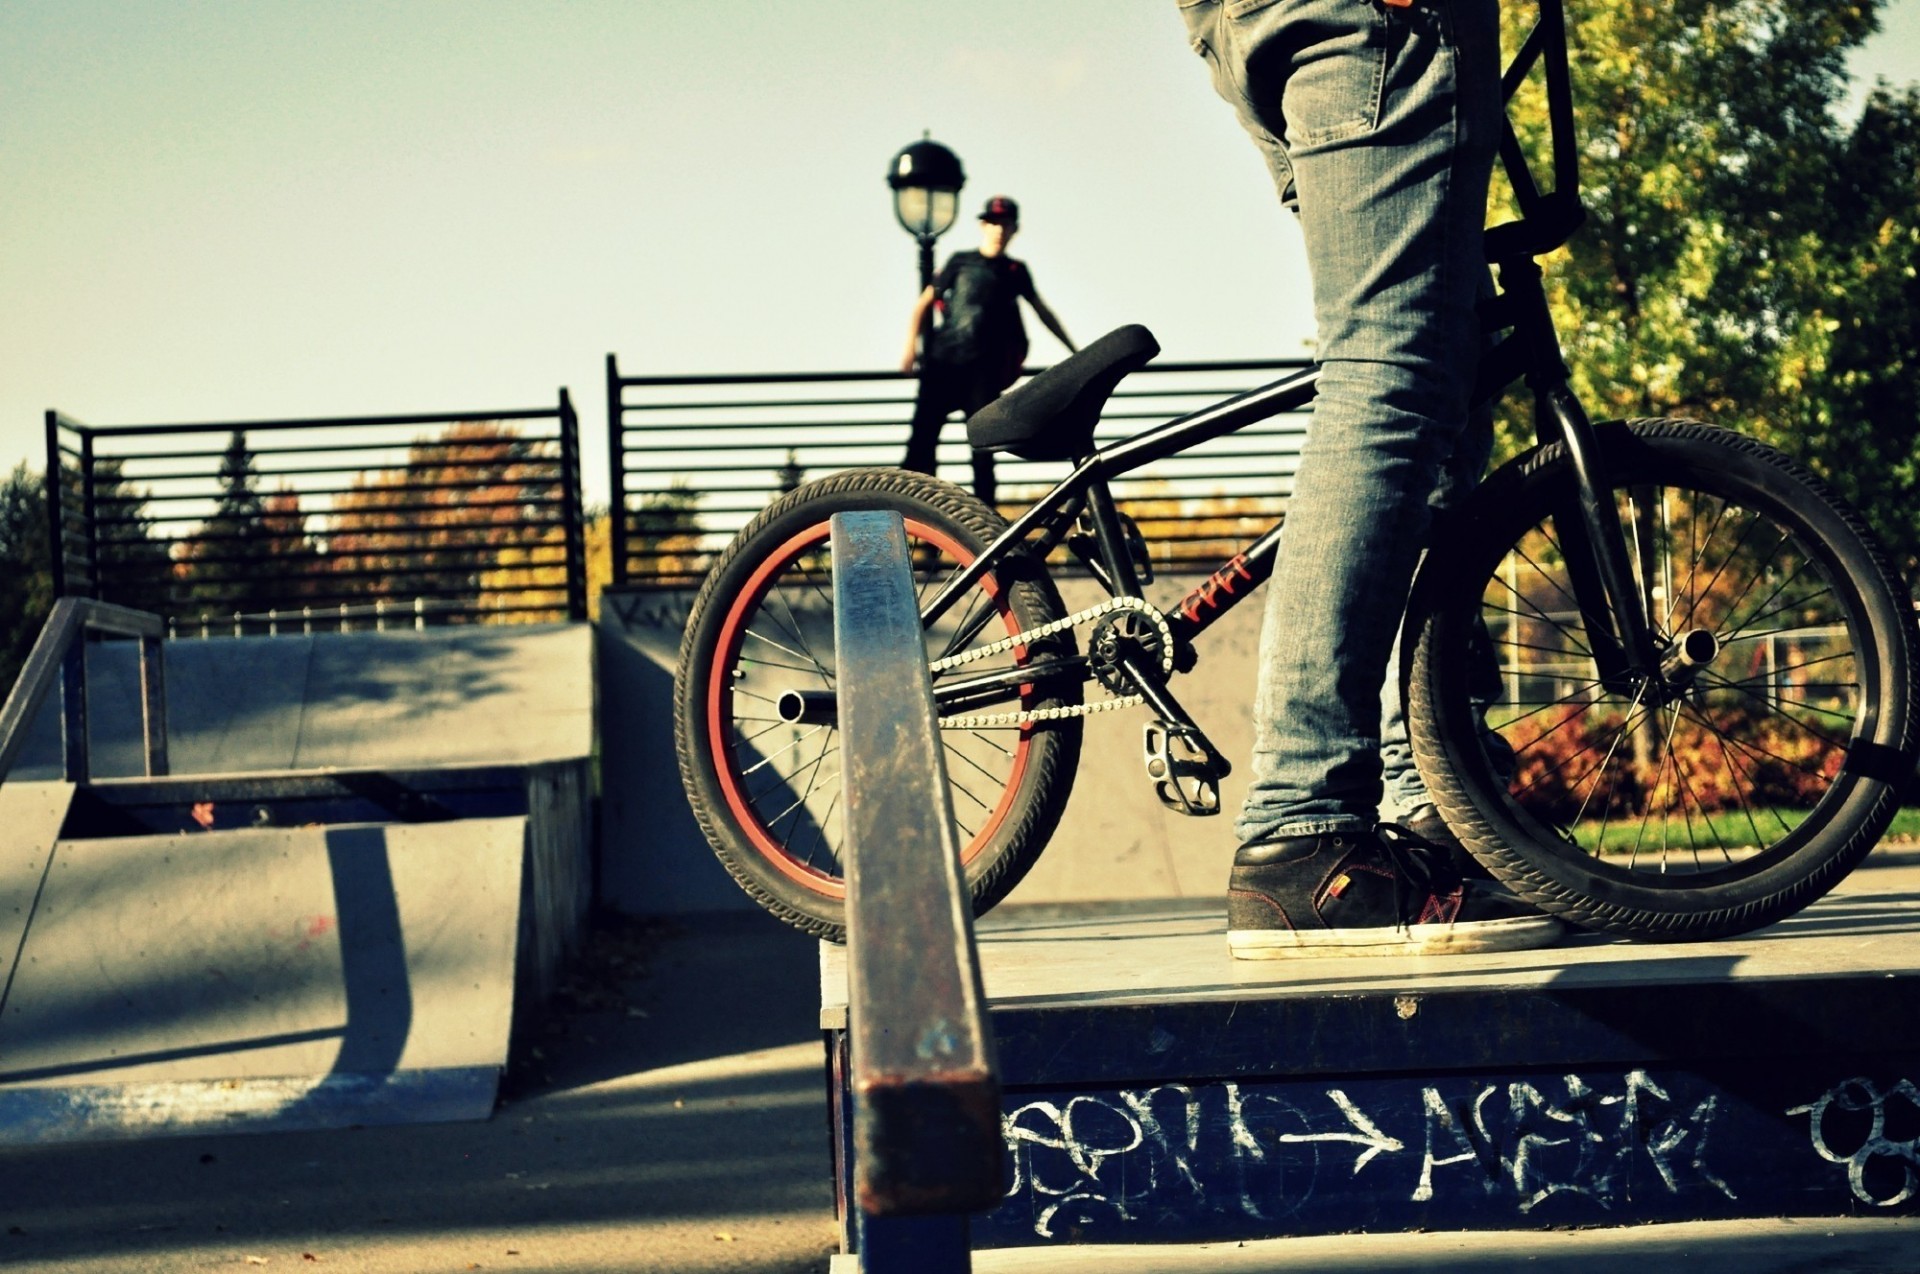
x=26 y=570
x=133 y=567
x=253 y=554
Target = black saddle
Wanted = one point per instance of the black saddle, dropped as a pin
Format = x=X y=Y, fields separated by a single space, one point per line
x=1052 y=416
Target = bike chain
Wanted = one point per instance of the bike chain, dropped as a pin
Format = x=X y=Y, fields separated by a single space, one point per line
x=995 y=720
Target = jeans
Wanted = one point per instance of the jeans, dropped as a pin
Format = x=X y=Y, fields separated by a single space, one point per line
x=1379 y=125
x=943 y=391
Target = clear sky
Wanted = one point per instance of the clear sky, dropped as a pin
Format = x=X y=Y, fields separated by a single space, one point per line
x=233 y=209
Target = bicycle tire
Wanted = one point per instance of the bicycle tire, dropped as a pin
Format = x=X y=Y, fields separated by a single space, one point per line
x=772 y=588
x=1720 y=797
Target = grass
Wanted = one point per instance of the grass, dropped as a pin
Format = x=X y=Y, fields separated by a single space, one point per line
x=1730 y=828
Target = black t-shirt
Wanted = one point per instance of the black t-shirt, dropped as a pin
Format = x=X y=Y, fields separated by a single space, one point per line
x=979 y=299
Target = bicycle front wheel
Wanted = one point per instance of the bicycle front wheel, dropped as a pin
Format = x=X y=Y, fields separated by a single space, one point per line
x=766 y=788
x=1719 y=792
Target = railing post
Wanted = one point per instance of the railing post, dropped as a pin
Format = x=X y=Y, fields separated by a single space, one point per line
x=91 y=534
x=927 y=1144
x=59 y=655
x=153 y=704
x=617 y=475
x=570 y=511
x=56 y=507
x=73 y=711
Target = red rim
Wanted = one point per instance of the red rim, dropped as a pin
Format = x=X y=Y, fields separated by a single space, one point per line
x=720 y=708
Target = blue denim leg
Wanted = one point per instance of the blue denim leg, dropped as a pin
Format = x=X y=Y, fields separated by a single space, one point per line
x=1380 y=126
x=1406 y=791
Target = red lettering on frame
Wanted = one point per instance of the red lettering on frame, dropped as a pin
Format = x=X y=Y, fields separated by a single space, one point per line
x=1207 y=595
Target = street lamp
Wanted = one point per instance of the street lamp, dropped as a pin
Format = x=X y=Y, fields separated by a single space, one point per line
x=926 y=178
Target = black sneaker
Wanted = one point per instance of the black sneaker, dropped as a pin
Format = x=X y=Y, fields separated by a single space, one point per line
x=1379 y=892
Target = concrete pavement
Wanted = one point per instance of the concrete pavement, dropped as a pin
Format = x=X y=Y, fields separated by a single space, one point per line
x=672 y=1117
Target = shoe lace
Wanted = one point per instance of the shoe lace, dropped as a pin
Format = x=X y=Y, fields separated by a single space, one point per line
x=1422 y=868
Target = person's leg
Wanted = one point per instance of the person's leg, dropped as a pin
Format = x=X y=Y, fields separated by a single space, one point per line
x=930 y=407
x=1406 y=792
x=1382 y=122
x=982 y=387
x=1380 y=125
x=983 y=482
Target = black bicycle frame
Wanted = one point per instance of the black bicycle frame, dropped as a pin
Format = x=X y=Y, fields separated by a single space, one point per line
x=1589 y=528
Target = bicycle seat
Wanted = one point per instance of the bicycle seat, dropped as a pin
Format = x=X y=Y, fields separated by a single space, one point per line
x=1052 y=416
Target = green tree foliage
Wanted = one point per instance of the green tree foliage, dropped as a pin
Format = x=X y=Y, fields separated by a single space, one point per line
x=1865 y=419
x=1749 y=257
x=26 y=570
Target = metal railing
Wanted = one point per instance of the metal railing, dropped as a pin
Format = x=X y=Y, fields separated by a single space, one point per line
x=59 y=655
x=927 y=1146
x=479 y=513
x=693 y=458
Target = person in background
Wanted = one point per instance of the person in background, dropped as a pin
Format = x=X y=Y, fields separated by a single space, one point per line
x=976 y=350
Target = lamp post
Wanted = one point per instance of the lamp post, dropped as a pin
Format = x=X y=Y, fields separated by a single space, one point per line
x=926 y=178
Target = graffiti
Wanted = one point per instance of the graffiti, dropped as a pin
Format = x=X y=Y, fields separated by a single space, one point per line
x=1851 y=1124
x=651 y=611
x=1094 y=1161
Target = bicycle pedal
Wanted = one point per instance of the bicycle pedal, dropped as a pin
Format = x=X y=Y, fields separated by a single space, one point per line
x=1184 y=776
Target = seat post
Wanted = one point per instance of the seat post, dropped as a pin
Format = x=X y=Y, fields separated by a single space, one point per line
x=1108 y=535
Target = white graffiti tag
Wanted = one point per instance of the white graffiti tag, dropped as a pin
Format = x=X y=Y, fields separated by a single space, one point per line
x=1229 y=1148
x=1854 y=1097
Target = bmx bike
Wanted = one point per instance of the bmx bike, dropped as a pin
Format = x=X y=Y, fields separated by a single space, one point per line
x=1659 y=679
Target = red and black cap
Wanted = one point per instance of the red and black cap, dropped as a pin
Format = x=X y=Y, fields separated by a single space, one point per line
x=1001 y=211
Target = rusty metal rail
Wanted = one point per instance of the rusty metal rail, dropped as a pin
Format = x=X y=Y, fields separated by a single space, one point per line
x=927 y=1144
x=60 y=652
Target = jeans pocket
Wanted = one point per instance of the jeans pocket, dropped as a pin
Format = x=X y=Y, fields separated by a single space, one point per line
x=1335 y=90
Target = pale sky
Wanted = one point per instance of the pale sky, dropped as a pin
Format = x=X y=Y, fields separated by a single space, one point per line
x=246 y=209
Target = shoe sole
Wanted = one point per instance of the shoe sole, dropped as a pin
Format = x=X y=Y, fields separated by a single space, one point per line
x=1520 y=933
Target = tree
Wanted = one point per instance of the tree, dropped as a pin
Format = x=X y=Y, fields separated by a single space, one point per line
x=1748 y=257
x=663 y=536
x=436 y=526
x=26 y=570
x=253 y=554
x=790 y=474
x=134 y=567
x=1868 y=405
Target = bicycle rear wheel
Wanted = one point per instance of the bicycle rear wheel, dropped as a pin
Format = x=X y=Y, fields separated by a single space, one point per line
x=766 y=790
x=1732 y=786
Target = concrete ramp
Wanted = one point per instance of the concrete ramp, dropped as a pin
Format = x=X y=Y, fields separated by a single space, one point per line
x=444 y=696
x=266 y=978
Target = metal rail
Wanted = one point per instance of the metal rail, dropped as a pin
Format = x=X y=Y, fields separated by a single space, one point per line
x=59 y=654
x=478 y=512
x=693 y=458
x=927 y=1145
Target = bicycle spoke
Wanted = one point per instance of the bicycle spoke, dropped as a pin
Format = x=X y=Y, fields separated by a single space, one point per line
x=772 y=757
x=1666 y=759
x=1741 y=689
x=820 y=831
x=797 y=654
x=1732 y=555
x=799 y=632
x=1540 y=613
x=787 y=840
